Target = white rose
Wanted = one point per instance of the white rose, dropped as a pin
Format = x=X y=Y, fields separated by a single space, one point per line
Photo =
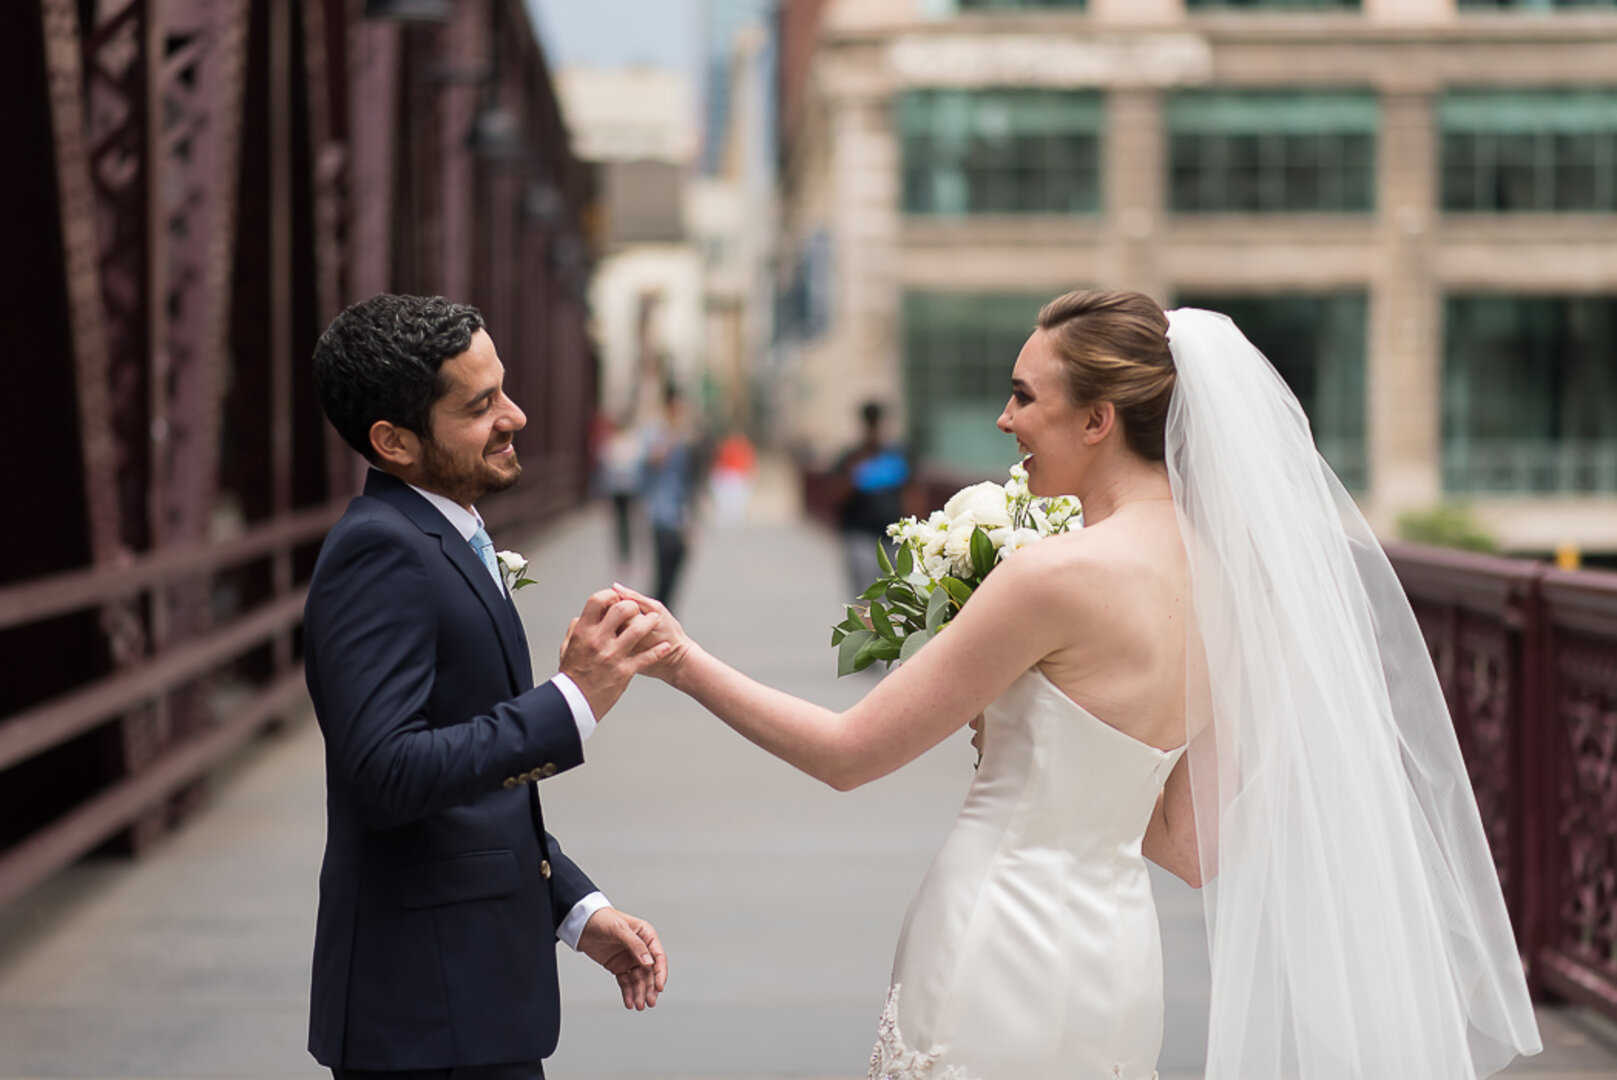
x=957 y=547
x=936 y=566
x=981 y=504
x=513 y=569
x=1016 y=541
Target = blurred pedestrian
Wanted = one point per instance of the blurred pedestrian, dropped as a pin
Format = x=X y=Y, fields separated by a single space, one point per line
x=869 y=487
x=668 y=491
x=731 y=479
x=621 y=471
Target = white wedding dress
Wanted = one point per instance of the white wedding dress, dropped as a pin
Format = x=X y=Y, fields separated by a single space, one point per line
x=1032 y=948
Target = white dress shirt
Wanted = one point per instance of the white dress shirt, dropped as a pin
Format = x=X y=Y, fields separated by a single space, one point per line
x=467 y=522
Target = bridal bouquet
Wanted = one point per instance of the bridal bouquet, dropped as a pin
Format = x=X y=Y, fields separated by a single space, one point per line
x=940 y=563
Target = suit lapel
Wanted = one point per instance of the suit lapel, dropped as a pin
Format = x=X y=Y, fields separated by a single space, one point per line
x=513 y=643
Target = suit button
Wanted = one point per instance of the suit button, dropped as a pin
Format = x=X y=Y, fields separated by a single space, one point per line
x=549 y=770
x=511 y=782
x=544 y=869
x=530 y=776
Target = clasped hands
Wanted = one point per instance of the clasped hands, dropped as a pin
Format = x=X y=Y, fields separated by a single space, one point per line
x=621 y=633
x=605 y=647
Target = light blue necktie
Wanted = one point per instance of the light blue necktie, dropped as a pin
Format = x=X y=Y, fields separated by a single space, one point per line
x=485 y=550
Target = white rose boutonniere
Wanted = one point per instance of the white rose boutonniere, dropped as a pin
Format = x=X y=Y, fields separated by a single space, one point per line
x=514 y=569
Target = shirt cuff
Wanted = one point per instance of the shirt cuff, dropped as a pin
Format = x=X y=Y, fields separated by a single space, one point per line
x=583 y=715
x=572 y=927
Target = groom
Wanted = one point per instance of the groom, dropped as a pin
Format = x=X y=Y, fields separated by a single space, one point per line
x=441 y=893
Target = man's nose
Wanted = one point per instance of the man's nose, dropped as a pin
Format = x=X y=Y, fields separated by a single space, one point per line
x=514 y=417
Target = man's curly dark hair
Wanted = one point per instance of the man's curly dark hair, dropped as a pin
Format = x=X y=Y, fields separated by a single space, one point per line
x=382 y=359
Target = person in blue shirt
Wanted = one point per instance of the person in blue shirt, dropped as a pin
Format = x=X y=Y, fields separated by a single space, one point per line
x=871 y=479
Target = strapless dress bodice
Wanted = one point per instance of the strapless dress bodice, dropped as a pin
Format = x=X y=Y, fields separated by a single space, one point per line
x=1031 y=949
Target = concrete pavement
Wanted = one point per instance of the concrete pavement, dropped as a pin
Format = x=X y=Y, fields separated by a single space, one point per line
x=778 y=899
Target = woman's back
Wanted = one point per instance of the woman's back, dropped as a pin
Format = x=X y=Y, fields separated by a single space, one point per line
x=1124 y=580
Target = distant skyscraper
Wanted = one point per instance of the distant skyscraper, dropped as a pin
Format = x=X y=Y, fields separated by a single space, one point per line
x=723 y=18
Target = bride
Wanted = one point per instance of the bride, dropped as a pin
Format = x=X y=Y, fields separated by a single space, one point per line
x=1219 y=673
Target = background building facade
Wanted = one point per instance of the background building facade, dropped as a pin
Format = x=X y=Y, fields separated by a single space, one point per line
x=1410 y=205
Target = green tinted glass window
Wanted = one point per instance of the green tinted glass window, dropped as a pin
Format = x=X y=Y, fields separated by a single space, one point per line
x=1317 y=343
x=1000 y=151
x=1530 y=394
x=959 y=349
x=1523 y=151
x=1272 y=151
x=1533 y=5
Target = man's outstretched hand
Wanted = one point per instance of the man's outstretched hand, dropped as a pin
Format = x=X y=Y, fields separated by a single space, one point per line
x=606 y=647
x=629 y=949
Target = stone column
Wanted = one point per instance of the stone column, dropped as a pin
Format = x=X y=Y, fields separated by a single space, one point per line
x=1133 y=195
x=1405 y=365
x=865 y=359
x=1137 y=12
x=1410 y=12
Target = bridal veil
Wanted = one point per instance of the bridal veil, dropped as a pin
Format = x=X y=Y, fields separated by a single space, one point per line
x=1354 y=915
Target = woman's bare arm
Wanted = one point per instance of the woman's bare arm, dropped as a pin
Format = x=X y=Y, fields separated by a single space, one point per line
x=1170 y=838
x=1010 y=625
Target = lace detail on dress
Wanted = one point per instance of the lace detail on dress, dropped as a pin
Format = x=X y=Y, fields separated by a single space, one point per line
x=892 y=1060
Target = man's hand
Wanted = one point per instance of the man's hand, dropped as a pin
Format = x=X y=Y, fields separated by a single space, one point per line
x=667 y=639
x=629 y=949
x=605 y=648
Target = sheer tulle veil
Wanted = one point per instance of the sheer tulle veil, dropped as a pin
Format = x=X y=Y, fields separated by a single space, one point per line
x=1354 y=916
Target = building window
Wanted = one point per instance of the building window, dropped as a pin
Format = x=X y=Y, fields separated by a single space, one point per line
x=1317 y=343
x=1533 y=5
x=1000 y=151
x=1273 y=5
x=1515 y=151
x=1530 y=394
x=959 y=349
x=1272 y=151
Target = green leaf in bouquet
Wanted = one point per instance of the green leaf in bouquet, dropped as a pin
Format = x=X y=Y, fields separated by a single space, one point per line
x=958 y=590
x=878 y=649
x=902 y=603
x=905 y=564
x=982 y=552
x=876 y=591
x=837 y=634
x=849 y=651
x=855 y=619
x=912 y=644
x=880 y=622
x=937 y=609
x=882 y=560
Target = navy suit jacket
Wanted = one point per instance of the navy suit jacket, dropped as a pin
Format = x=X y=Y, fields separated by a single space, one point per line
x=435 y=941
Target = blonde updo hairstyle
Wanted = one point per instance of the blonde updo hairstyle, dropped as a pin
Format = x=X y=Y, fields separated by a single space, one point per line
x=1114 y=347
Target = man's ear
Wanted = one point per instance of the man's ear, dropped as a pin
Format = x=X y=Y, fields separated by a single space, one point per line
x=1099 y=420
x=394 y=445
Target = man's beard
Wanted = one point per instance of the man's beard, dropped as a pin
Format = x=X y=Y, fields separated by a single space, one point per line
x=465 y=484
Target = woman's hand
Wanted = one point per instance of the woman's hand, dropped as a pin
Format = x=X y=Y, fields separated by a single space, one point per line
x=667 y=631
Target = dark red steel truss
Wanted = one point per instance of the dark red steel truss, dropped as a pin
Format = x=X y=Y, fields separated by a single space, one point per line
x=207 y=182
x=1527 y=657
